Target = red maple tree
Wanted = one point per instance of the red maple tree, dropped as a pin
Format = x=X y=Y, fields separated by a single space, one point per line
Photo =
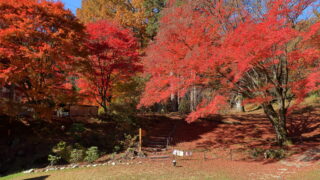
x=113 y=58
x=40 y=43
x=261 y=56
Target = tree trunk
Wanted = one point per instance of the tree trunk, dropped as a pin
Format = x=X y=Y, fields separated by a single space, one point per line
x=178 y=100
x=174 y=102
x=278 y=121
x=11 y=99
x=193 y=98
x=239 y=103
x=104 y=105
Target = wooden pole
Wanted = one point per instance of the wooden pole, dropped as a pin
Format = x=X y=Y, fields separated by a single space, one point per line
x=140 y=139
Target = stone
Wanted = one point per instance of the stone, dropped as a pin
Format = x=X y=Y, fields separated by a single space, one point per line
x=28 y=171
x=113 y=163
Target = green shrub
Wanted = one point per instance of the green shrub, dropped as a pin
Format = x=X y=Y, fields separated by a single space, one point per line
x=73 y=154
x=268 y=154
x=275 y=154
x=129 y=141
x=53 y=159
x=116 y=148
x=113 y=156
x=76 y=155
x=256 y=152
x=92 y=154
x=62 y=150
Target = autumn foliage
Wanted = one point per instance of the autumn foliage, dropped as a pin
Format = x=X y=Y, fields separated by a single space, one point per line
x=263 y=56
x=129 y=14
x=113 y=58
x=267 y=52
x=40 y=43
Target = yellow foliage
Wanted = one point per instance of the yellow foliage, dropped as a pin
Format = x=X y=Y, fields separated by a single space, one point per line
x=130 y=14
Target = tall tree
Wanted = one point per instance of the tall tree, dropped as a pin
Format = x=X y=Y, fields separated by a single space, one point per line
x=261 y=56
x=114 y=58
x=40 y=43
x=130 y=14
x=152 y=11
x=180 y=47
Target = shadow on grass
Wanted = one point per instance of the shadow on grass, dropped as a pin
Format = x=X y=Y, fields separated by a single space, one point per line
x=250 y=131
x=38 y=178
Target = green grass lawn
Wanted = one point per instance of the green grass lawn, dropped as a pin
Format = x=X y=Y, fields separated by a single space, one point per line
x=120 y=173
x=12 y=176
x=126 y=172
x=158 y=170
x=308 y=175
x=150 y=171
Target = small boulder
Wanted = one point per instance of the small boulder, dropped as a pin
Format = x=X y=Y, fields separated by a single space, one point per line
x=28 y=171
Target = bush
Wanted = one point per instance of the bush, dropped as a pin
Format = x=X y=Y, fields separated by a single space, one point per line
x=53 y=159
x=76 y=155
x=113 y=155
x=275 y=154
x=92 y=154
x=268 y=154
x=72 y=154
x=62 y=150
x=256 y=152
x=129 y=141
x=116 y=148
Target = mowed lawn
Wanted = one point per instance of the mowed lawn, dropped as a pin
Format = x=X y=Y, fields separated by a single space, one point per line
x=163 y=170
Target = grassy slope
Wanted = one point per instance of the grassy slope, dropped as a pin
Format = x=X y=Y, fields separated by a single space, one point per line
x=308 y=175
x=12 y=176
x=148 y=171
x=124 y=172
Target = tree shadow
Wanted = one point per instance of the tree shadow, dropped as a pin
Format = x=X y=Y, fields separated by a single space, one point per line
x=38 y=178
x=304 y=121
x=189 y=132
x=251 y=131
x=225 y=131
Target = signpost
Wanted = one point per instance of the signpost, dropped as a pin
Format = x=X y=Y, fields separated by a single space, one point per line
x=141 y=134
x=140 y=139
